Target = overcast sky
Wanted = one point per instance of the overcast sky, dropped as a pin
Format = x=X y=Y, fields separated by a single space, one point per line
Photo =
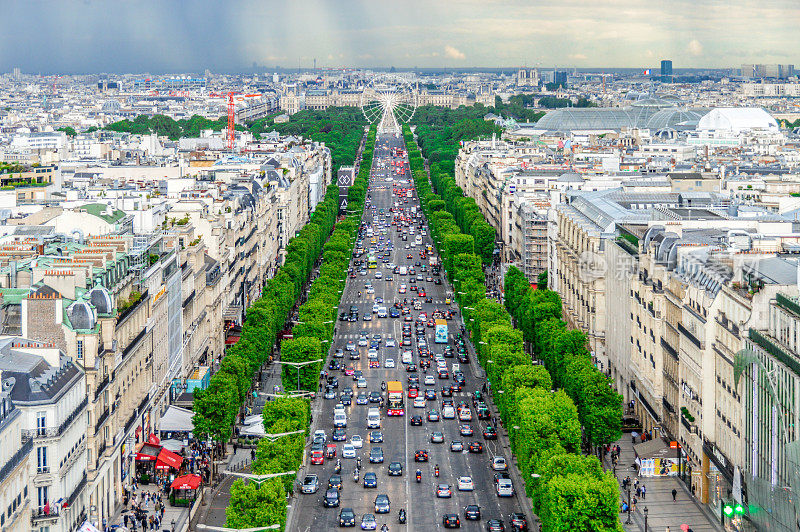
x=85 y=36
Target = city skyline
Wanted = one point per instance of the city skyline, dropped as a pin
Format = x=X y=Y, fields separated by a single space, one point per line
x=167 y=36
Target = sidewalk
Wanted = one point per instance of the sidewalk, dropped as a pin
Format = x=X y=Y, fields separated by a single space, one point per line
x=662 y=511
x=172 y=514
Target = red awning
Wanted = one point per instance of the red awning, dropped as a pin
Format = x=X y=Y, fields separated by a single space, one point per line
x=153 y=439
x=147 y=452
x=230 y=340
x=167 y=459
x=186 y=482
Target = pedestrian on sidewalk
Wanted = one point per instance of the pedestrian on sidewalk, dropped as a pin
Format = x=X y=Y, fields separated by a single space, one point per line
x=644 y=491
x=674 y=494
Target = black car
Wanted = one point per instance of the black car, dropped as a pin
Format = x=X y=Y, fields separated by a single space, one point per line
x=331 y=498
x=345 y=400
x=489 y=433
x=495 y=525
x=451 y=521
x=421 y=455
x=335 y=482
x=347 y=517
x=376 y=455
x=374 y=397
x=382 y=505
x=415 y=421
x=518 y=521
x=472 y=512
x=370 y=480
x=394 y=313
x=446 y=391
x=395 y=469
x=375 y=436
x=475 y=447
x=339 y=434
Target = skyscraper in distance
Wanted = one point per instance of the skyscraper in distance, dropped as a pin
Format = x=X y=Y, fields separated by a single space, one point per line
x=666 y=71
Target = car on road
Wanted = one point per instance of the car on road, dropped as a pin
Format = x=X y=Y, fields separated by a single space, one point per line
x=451 y=521
x=368 y=522
x=420 y=455
x=429 y=380
x=437 y=437
x=317 y=458
x=433 y=415
x=465 y=430
x=339 y=434
x=465 y=483
x=382 y=504
x=374 y=397
x=456 y=446
x=388 y=363
x=331 y=498
x=356 y=441
x=376 y=455
x=472 y=512
x=370 y=480
x=475 y=447
x=430 y=395
x=395 y=469
x=419 y=402
x=362 y=399
x=443 y=491
x=465 y=414
x=362 y=340
x=390 y=342
x=518 y=521
x=361 y=382
x=350 y=346
x=504 y=488
x=375 y=436
x=495 y=525
x=310 y=484
x=347 y=517
x=489 y=433
x=499 y=463
x=348 y=451
x=335 y=482
x=415 y=421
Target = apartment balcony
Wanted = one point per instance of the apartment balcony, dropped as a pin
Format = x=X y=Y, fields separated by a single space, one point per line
x=774 y=348
x=55 y=432
x=691 y=337
x=101 y=420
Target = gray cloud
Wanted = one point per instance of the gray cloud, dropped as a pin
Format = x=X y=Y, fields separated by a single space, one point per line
x=226 y=36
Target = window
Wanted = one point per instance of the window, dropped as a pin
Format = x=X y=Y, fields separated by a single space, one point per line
x=41 y=423
x=80 y=349
x=41 y=460
x=42 y=496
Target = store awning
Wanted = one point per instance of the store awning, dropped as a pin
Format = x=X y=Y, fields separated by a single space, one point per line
x=256 y=429
x=186 y=482
x=147 y=452
x=167 y=459
x=176 y=419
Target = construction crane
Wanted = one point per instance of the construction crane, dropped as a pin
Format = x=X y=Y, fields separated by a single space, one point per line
x=232 y=115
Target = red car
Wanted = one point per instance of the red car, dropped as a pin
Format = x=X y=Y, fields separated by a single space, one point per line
x=374 y=364
x=317 y=458
x=349 y=371
x=413 y=393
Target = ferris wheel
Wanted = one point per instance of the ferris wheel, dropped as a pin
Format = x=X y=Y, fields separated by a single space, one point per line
x=390 y=101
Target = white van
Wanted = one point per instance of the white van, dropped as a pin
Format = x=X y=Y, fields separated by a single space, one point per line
x=381 y=312
x=340 y=420
x=505 y=488
x=456 y=367
x=373 y=418
x=403 y=270
x=406 y=357
x=448 y=412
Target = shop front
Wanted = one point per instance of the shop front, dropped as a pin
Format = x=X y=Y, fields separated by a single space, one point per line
x=184 y=490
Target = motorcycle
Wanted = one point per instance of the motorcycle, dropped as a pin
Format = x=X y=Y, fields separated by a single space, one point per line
x=419 y=476
x=383 y=386
x=338 y=468
x=355 y=475
x=436 y=471
x=402 y=516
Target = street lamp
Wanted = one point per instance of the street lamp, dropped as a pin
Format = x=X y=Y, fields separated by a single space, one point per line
x=299 y=365
x=628 y=520
x=645 y=519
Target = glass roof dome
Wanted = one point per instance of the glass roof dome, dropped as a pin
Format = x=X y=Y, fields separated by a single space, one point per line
x=676 y=118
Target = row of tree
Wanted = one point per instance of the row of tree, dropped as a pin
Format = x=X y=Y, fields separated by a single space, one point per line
x=251 y=504
x=163 y=125
x=570 y=491
x=340 y=128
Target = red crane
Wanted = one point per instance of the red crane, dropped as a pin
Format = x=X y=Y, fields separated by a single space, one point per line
x=231 y=113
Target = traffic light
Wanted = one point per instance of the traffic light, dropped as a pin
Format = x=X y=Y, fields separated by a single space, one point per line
x=727 y=509
x=731 y=508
